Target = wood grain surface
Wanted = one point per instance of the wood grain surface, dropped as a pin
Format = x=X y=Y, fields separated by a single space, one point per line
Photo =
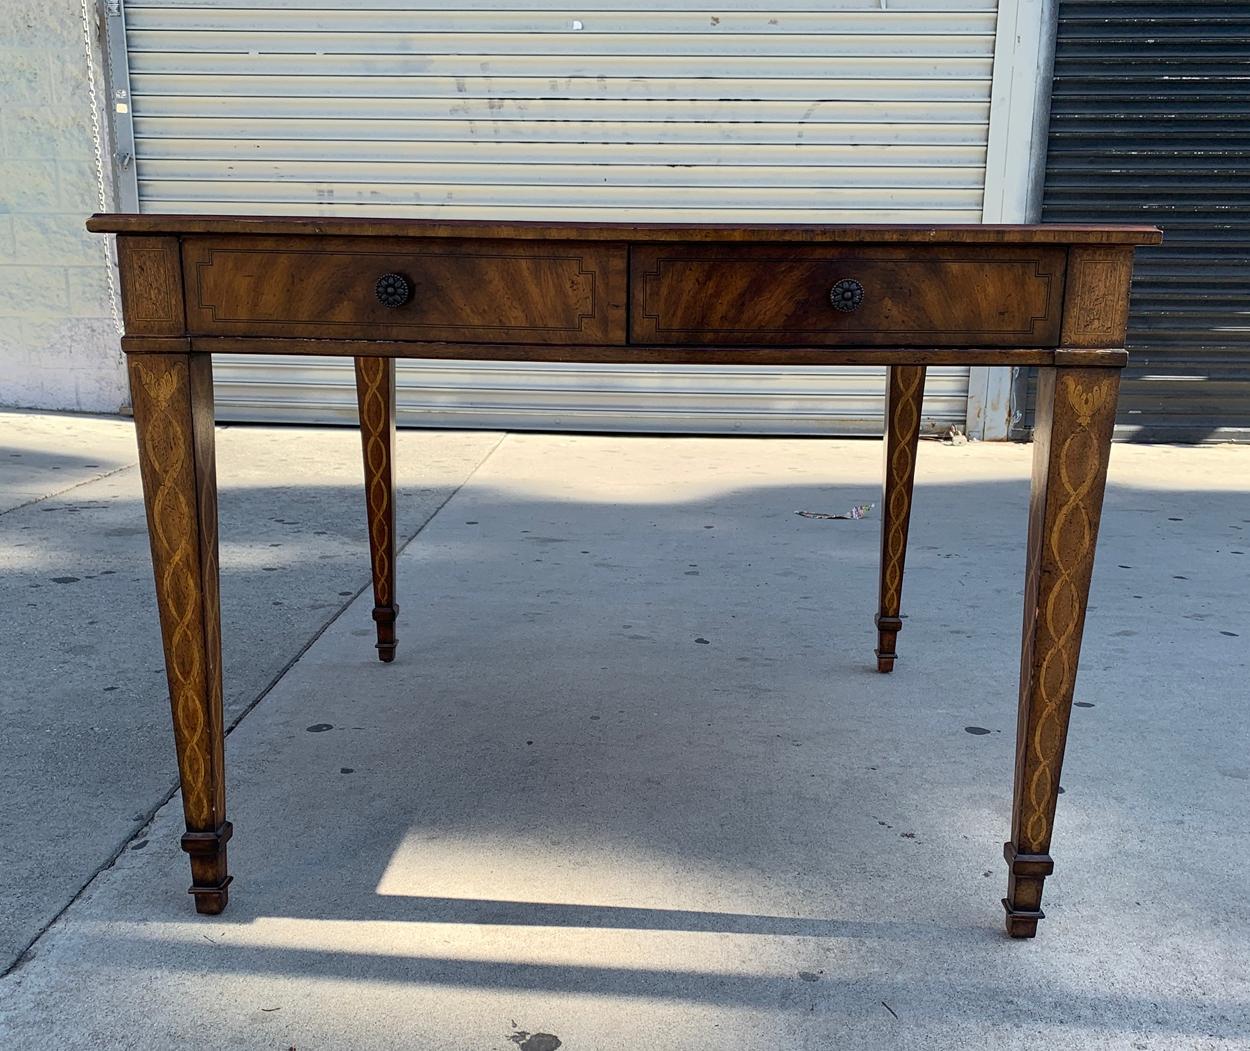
x=1096 y=312
x=151 y=285
x=634 y=353
x=903 y=403
x=173 y=407
x=938 y=295
x=1071 y=447
x=876 y=233
x=480 y=291
x=375 y=397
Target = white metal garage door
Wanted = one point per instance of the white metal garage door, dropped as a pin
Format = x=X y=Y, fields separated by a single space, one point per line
x=727 y=110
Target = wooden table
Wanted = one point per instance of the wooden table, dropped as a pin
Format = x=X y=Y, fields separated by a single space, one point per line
x=380 y=289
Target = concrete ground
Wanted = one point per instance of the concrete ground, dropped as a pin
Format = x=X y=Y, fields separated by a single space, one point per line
x=85 y=756
x=632 y=780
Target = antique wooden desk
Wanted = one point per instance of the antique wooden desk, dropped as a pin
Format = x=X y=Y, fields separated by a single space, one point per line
x=374 y=289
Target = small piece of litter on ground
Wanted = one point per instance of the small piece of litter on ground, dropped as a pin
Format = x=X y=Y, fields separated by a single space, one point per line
x=853 y=515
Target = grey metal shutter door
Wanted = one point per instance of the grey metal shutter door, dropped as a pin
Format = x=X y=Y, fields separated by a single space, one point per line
x=733 y=110
x=1150 y=122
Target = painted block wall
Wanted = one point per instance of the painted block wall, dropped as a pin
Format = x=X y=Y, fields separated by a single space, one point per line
x=58 y=334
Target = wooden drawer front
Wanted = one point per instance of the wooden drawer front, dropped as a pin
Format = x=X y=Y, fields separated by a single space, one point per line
x=461 y=291
x=780 y=295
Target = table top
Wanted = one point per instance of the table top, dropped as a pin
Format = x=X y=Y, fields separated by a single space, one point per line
x=816 y=233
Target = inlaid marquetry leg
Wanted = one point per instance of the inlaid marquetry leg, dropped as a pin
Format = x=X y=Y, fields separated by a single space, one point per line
x=375 y=394
x=1071 y=444
x=904 y=395
x=173 y=406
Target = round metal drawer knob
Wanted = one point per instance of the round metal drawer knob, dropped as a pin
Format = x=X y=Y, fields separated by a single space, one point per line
x=846 y=295
x=392 y=290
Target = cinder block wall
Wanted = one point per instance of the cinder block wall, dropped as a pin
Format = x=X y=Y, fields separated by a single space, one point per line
x=58 y=337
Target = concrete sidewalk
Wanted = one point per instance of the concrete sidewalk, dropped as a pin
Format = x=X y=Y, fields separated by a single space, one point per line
x=87 y=747
x=632 y=781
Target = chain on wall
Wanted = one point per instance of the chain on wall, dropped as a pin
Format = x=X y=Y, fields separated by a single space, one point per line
x=90 y=25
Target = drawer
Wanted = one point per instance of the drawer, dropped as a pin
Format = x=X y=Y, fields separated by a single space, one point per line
x=813 y=295
x=440 y=290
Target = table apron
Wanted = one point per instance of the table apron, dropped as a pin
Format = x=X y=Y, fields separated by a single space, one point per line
x=1097 y=357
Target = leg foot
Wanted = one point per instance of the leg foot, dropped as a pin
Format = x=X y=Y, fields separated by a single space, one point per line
x=384 y=617
x=904 y=395
x=208 y=869
x=1022 y=924
x=1023 y=903
x=887 y=633
x=211 y=901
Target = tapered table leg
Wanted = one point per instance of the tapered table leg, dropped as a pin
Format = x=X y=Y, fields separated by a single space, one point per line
x=904 y=396
x=1071 y=444
x=173 y=406
x=375 y=395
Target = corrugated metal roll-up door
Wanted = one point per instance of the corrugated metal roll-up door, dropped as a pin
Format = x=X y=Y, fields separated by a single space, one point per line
x=1150 y=121
x=716 y=110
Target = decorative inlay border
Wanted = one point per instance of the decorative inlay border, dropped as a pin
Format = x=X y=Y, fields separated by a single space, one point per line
x=1070 y=554
x=168 y=463
x=903 y=420
x=373 y=378
x=151 y=285
x=1096 y=311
